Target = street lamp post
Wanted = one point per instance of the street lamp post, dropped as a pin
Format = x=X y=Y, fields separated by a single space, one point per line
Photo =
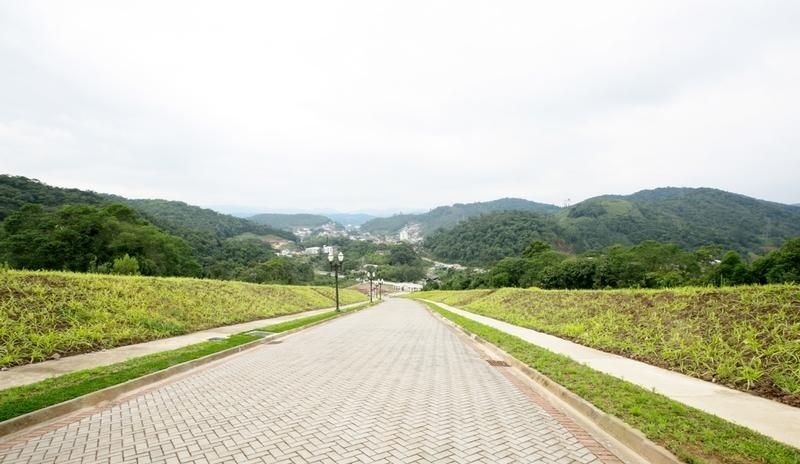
x=336 y=264
x=370 y=277
x=380 y=289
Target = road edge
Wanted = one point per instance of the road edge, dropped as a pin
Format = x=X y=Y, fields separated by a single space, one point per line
x=23 y=423
x=574 y=406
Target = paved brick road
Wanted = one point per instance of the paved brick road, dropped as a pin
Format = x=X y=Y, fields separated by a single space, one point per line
x=390 y=384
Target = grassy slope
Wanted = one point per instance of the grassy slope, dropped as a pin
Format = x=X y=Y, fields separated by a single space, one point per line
x=27 y=398
x=42 y=313
x=745 y=337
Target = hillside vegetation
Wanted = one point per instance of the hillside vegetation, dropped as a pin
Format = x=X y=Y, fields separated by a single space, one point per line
x=486 y=239
x=688 y=218
x=290 y=221
x=649 y=264
x=744 y=337
x=219 y=245
x=449 y=216
x=44 y=313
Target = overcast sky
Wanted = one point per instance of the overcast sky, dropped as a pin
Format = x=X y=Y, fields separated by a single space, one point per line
x=371 y=105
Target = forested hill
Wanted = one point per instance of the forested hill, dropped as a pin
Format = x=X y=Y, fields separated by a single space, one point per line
x=290 y=221
x=688 y=217
x=355 y=219
x=16 y=191
x=485 y=239
x=184 y=220
x=212 y=237
x=449 y=216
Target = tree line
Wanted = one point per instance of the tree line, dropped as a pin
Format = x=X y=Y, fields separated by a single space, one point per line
x=650 y=264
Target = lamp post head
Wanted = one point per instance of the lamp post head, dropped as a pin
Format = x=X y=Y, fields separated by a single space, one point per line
x=330 y=256
x=341 y=256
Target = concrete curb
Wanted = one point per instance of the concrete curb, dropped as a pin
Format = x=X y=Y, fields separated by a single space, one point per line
x=33 y=418
x=635 y=440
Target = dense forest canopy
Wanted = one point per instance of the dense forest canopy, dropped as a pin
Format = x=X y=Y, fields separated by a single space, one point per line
x=486 y=239
x=87 y=238
x=690 y=218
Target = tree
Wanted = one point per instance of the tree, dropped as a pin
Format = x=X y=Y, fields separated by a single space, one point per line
x=536 y=247
x=402 y=254
x=731 y=271
x=125 y=265
x=779 y=266
x=508 y=272
x=84 y=237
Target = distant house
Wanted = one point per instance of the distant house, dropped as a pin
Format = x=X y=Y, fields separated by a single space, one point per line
x=311 y=251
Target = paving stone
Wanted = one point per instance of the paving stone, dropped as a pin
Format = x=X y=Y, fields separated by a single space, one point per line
x=389 y=384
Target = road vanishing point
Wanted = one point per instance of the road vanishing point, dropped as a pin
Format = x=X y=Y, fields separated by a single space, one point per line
x=391 y=384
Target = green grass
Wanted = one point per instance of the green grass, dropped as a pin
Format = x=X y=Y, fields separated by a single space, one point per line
x=43 y=313
x=692 y=435
x=743 y=337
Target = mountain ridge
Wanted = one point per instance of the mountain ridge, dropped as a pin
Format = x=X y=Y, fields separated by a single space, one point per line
x=449 y=216
x=689 y=217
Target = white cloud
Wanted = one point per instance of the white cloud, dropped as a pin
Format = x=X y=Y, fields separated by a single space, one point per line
x=348 y=105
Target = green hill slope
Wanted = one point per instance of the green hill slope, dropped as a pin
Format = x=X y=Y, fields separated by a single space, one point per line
x=685 y=216
x=16 y=191
x=201 y=227
x=485 y=239
x=211 y=236
x=690 y=217
x=449 y=216
x=290 y=221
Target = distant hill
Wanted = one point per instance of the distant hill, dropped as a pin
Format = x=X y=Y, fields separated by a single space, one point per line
x=290 y=221
x=208 y=233
x=355 y=219
x=689 y=217
x=449 y=216
x=485 y=239
x=187 y=221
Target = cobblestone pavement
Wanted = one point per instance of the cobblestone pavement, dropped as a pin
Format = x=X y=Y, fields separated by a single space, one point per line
x=387 y=385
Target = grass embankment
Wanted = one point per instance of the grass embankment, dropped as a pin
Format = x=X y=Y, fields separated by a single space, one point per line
x=745 y=337
x=24 y=399
x=44 y=313
x=692 y=435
